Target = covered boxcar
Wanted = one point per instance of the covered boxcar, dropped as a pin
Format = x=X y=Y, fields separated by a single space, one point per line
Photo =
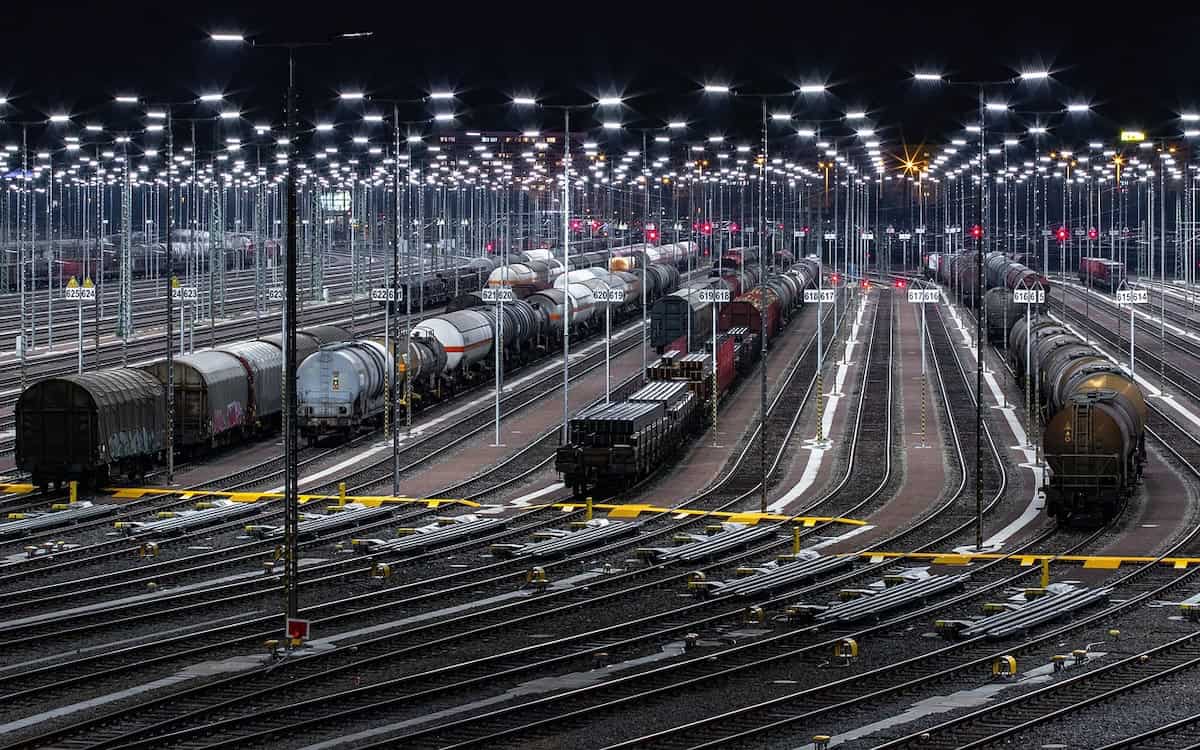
x=91 y=426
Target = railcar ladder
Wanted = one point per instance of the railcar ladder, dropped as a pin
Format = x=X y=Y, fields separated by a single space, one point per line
x=1082 y=418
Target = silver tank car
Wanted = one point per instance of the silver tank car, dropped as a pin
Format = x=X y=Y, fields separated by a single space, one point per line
x=341 y=388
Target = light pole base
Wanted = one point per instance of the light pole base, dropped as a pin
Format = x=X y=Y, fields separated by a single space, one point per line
x=814 y=444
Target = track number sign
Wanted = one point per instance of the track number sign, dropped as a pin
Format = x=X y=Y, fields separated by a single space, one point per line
x=1132 y=297
x=1029 y=296
x=923 y=296
x=80 y=293
x=187 y=293
x=819 y=295
x=275 y=294
x=387 y=294
x=713 y=295
x=610 y=295
x=497 y=294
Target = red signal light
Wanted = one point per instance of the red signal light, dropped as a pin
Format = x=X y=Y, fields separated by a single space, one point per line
x=866 y=284
x=733 y=226
x=899 y=283
x=1061 y=234
x=595 y=225
x=651 y=235
x=977 y=232
x=804 y=231
x=1092 y=233
x=834 y=278
x=491 y=247
x=706 y=228
x=576 y=225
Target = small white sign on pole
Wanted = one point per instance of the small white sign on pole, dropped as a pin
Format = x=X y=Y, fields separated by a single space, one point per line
x=387 y=294
x=713 y=295
x=819 y=295
x=1029 y=296
x=831 y=235
x=80 y=293
x=904 y=236
x=1132 y=297
x=609 y=295
x=186 y=293
x=275 y=294
x=920 y=230
x=923 y=296
x=497 y=294
x=868 y=235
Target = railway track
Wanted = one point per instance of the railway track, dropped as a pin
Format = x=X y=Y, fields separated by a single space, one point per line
x=415 y=454
x=441 y=587
x=298 y=717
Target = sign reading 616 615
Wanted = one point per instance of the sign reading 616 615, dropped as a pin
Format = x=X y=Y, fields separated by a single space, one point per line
x=1132 y=296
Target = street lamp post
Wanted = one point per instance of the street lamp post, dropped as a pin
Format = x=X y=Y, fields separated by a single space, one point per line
x=291 y=499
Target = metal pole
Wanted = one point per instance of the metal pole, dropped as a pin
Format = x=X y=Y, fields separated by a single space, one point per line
x=290 y=441
x=979 y=339
x=566 y=236
x=394 y=406
x=762 y=223
x=167 y=286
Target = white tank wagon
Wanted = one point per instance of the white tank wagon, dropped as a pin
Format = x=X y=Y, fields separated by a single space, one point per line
x=342 y=389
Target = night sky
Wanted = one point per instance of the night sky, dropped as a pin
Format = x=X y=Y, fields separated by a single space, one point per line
x=1134 y=70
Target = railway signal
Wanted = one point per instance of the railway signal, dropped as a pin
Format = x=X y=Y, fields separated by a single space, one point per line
x=1061 y=234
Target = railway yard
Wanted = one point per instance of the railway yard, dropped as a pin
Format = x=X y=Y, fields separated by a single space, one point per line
x=482 y=428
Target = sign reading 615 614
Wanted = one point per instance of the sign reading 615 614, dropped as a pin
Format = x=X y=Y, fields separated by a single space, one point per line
x=1132 y=297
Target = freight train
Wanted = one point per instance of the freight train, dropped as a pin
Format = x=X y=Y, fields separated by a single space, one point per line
x=1101 y=273
x=100 y=425
x=342 y=389
x=1094 y=415
x=612 y=446
x=959 y=274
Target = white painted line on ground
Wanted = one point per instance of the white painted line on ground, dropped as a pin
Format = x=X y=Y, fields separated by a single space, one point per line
x=524 y=500
x=1034 y=508
x=817 y=454
x=840 y=538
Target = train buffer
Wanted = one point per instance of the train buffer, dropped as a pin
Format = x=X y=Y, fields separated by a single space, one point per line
x=177 y=523
x=702 y=548
x=890 y=598
x=776 y=576
x=20 y=524
x=312 y=524
x=433 y=535
x=561 y=543
x=1057 y=603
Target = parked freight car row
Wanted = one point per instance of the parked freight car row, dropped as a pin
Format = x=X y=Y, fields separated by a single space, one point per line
x=612 y=446
x=107 y=423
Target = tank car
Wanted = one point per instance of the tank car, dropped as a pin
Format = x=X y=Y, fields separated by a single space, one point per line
x=1095 y=416
x=342 y=388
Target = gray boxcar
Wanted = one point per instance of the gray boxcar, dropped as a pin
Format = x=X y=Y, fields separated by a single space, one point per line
x=212 y=398
x=263 y=363
x=91 y=426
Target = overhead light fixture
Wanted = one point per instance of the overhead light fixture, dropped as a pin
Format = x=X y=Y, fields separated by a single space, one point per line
x=524 y=100
x=927 y=76
x=609 y=101
x=812 y=88
x=60 y=118
x=1078 y=107
x=444 y=116
x=612 y=126
x=325 y=127
x=227 y=37
x=230 y=115
x=441 y=95
x=715 y=88
x=373 y=118
x=124 y=99
x=1035 y=75
x=211 y=97
x=997 y=107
